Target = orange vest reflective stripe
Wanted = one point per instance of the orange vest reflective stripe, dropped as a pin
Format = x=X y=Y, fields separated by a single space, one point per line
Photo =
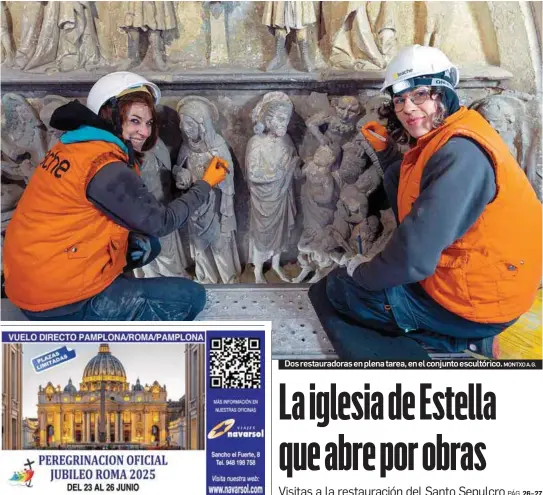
x=492 y=273
x=59 y=247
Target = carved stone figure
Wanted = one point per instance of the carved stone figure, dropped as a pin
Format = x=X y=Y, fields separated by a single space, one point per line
x=318 y=204
x=59 y=36
x=517 y=118
x=282 y=17
x=271 y=160
x=437 y=15
x=79 y=47
x=315 y=255
x=336 y=127
x=218 y=38
x=371 y=110
x=357 y=154
x=317 y=193
x=212 y=228
x=23 y=135
x=340 y=239
x=364 y=45
x=40 y=35
x=156 y=172
x=6 y=39
x=150 y=19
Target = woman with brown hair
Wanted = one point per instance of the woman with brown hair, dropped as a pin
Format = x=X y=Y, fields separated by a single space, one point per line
x=86 y=217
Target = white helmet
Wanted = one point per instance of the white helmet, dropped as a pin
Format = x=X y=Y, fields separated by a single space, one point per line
x=416 y=61
x=114 y=84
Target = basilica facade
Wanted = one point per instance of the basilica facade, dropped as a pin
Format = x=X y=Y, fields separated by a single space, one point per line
x=104 y=409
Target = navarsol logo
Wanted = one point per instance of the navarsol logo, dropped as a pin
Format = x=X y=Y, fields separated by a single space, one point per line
x=24 y=477
x=221 y=428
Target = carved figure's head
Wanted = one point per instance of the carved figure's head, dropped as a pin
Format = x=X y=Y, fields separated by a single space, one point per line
x=197 y=119
x=347 y=108
x=324 y=157
x=272 y=114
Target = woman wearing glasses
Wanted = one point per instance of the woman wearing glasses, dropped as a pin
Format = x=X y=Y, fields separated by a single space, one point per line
x=465 y=261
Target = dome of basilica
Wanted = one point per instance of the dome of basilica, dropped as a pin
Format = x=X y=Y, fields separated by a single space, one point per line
x=70 y=388
x=104 y=367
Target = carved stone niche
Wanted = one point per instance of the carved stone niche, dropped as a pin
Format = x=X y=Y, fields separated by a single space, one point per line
x=327 y=112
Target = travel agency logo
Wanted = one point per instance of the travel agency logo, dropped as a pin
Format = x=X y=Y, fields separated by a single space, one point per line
x=24 y=477
x=220 y=429
x=241 y=432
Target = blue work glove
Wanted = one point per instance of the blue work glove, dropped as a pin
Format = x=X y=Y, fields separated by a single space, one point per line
x=139 y=248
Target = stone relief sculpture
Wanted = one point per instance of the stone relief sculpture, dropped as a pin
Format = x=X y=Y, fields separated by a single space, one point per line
x=79 y=47
x=282 y=17
x=150 y=20
x=337 y=126
x=271 y=160
x=218 y=38
x=438 y=15
x=6 y=39
x=358 y=154
x=371 y=110
x=212 y=228
x=517 y=118
x=156 y=172
x=361 y=44
x=59 y=36
x=23 y=136
x=40 y=35
x=318 y=200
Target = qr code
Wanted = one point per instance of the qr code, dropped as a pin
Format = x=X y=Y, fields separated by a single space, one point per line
x=234 y=363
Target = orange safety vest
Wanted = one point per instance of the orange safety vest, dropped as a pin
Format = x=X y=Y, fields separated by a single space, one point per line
x=59 y=248
x=492 y=273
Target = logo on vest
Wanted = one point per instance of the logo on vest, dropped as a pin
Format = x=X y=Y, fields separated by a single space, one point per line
x=54 y=165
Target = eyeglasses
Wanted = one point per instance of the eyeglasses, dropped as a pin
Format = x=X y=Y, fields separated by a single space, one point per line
x=417 y=96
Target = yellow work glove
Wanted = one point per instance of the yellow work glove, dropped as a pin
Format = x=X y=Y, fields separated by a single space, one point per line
x=376 y=135
x=216 y=171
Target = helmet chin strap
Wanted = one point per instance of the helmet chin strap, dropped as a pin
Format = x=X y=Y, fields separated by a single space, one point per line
x=118 y=127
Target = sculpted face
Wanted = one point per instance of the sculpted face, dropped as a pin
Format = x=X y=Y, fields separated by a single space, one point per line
x=190 y=127
x=347 y=108
x=138 y=125
x=277 y=120
x=323 y=157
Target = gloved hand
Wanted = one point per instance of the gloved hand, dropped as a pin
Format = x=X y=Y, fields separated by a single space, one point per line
x=355 y=262
x=139 y=248
x=376 y=135
x=216 y=171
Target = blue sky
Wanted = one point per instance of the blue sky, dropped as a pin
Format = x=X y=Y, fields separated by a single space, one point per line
x=148 y=362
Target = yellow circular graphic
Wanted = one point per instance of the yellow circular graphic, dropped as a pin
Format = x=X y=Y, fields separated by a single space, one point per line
x=221 y=428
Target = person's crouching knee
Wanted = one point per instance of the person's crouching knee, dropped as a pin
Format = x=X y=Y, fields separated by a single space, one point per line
x=336 y=282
